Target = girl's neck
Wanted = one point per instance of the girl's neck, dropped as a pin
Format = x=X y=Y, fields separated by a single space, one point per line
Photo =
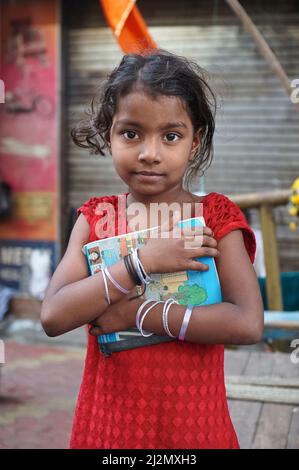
x=177 y=195
x=181 y=198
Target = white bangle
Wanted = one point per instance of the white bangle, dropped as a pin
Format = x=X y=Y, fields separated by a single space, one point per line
x=106 y=287
x=139 y=267
x=139 y=312
x=147 y=334
x=166 y=308
x=120 y=288
x=185 y=322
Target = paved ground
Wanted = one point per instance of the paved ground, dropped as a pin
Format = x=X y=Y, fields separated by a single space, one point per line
x=38 y=390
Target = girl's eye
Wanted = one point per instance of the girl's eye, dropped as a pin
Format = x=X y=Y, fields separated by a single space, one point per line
x=130 y=134
x=172 y=135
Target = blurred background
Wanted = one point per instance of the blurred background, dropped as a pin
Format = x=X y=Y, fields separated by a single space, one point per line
x=54 y=56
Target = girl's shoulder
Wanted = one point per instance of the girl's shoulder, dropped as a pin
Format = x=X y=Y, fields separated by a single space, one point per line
x=98 y=206
x=223 y=216
x=94 y=206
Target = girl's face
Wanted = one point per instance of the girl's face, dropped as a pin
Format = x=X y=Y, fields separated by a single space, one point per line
x=152 y=135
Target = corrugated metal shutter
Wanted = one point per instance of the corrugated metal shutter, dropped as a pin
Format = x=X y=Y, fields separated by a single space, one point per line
x=257 y=132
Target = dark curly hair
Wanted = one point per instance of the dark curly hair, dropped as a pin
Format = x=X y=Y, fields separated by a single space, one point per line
x=158 y=72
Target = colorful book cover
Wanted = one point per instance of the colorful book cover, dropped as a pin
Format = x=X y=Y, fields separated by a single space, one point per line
x=187 y=287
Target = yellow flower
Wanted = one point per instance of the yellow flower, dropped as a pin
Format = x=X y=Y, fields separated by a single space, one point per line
x=295 y=199
x=293 y=226
x=293 y=211
x=295 y=185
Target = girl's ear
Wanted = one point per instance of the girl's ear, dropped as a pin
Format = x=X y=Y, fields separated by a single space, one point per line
x=108 y=143
x=196 y=143
x=108 y=140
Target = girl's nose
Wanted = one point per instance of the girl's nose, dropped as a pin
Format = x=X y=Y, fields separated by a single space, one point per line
x=150 y=152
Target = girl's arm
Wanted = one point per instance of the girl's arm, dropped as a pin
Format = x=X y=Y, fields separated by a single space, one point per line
x=237 y=320
x=73 y=298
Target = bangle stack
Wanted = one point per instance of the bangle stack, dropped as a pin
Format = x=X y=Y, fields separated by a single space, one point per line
x=136 y=271
x=166 y=307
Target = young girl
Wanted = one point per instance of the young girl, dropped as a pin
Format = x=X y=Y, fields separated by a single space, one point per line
x=156 y=118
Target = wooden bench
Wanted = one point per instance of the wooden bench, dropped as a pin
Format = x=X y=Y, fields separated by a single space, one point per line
x=275 y=317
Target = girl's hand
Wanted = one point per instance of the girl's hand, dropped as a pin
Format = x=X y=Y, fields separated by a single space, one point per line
x=119 y=316
x=169 y=254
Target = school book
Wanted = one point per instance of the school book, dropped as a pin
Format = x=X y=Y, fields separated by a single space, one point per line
x=186 y=287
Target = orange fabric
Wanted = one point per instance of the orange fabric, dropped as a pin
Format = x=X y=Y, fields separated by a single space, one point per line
x=128 y=25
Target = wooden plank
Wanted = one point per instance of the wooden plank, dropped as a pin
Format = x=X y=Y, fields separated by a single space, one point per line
x=279 y=319
x=293 y=436
x=262 y=394
x=260 y=424
x=235 y=361
x=285 y=368
x=273 y=427
x=244 y=414
x=275 y=420
x=274 y=198
x=260 y=364
x=273 y=287
x=262 y=381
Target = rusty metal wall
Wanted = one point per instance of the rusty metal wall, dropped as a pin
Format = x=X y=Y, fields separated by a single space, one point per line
x=257 y=127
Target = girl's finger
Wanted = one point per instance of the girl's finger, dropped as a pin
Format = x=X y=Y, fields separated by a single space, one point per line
x=94 y=323
x=189 y=232
x=201 y=240
x=95 y=331
x=196 y=238
x=209 y=241
x=202 y=251
x=197 y=266
x=208 y=231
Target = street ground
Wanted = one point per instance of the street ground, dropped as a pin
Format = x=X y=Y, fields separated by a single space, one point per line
x=39 y=384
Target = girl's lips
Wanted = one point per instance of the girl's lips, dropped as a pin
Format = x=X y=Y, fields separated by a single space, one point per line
x=148 y=178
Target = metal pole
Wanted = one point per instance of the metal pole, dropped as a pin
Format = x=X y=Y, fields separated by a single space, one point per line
x=265 y=50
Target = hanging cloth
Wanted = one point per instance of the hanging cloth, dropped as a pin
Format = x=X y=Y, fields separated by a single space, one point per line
x=128 y=25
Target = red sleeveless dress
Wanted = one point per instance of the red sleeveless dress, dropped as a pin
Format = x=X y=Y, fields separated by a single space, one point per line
x=165 y=396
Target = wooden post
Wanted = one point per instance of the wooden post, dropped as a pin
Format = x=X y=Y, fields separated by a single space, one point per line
x=265 y=50
x=265 y=202
x=273 y=287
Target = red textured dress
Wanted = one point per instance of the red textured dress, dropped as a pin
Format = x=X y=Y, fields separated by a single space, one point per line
x=165 y=396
